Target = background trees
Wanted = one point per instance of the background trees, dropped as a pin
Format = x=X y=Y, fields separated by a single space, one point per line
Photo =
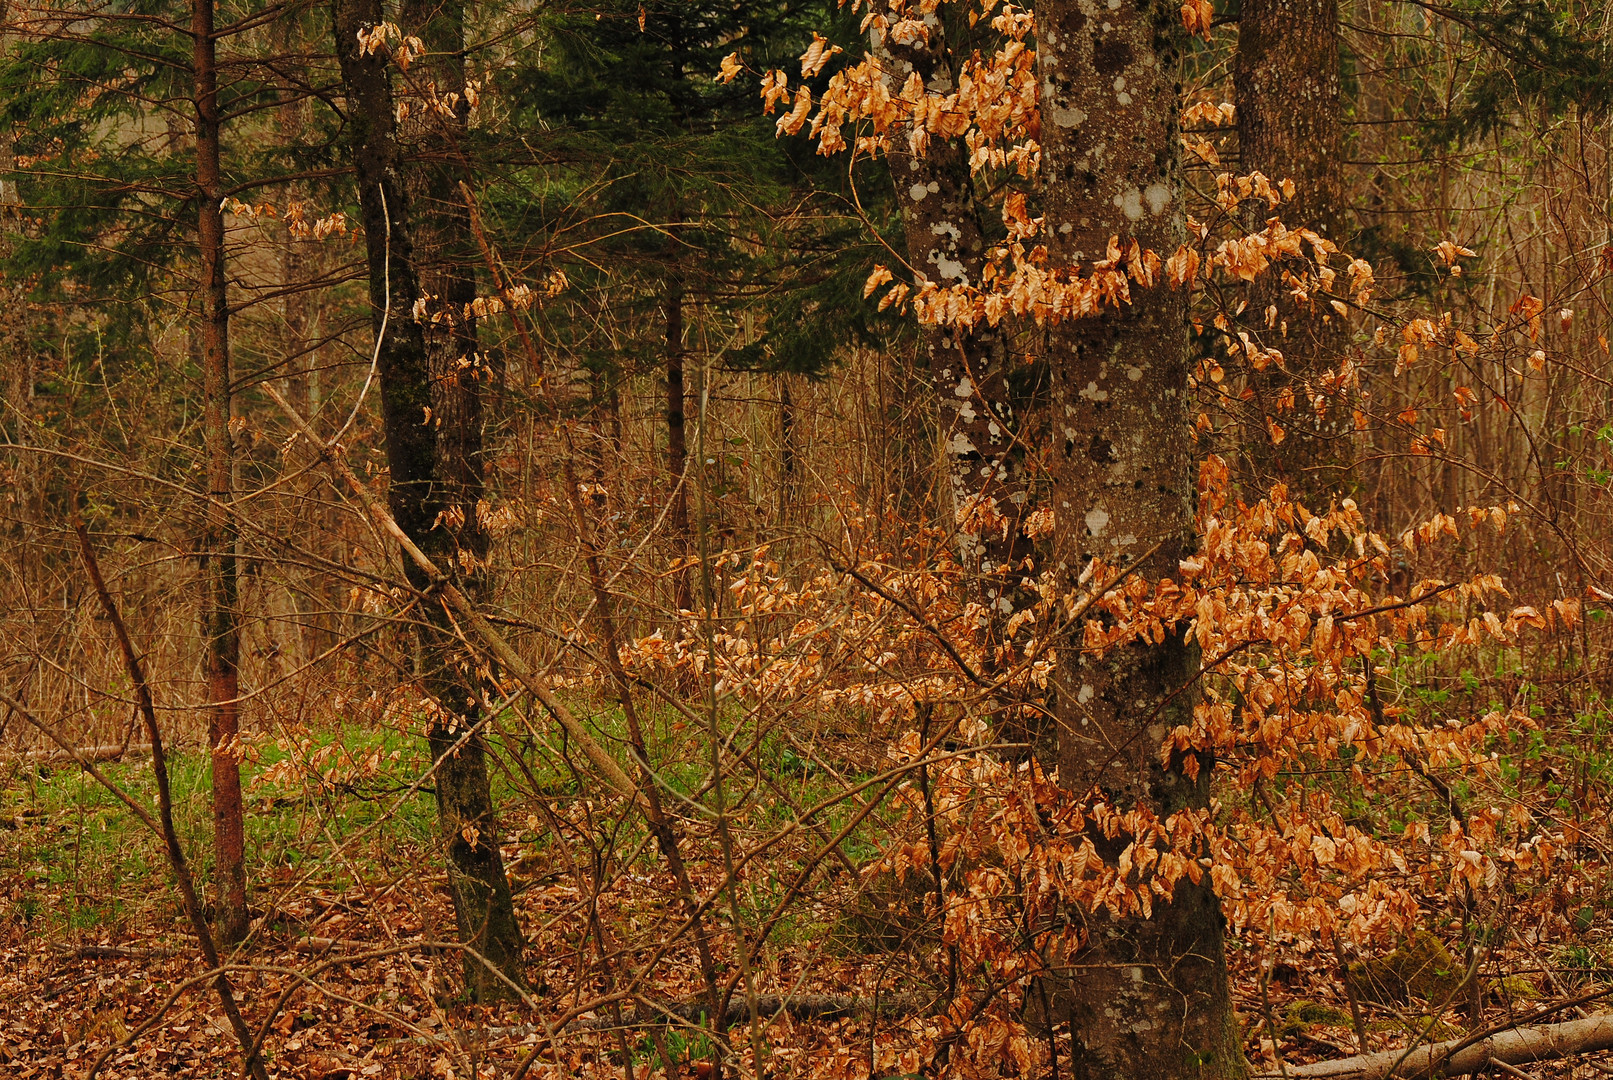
x=813 y=418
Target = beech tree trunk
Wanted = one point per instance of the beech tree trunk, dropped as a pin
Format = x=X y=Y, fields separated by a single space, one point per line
x=432 y=473
x=1147 y=999
x=1290 y=125
x=979 y=428
x=220 y=615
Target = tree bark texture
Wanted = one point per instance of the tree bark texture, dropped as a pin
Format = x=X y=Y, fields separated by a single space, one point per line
x=1290 y=125
x=445 y=255
x=1147 y=998
x=220 y=615
x=979 y=428
x=432 y=477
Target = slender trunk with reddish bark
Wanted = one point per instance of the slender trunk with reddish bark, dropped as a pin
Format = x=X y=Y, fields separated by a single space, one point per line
x=221 y=630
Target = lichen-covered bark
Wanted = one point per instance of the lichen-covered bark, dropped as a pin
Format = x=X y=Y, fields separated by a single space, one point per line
x=1147 y=998
x=980 y=437
x=430 y=474
x=1286 y=80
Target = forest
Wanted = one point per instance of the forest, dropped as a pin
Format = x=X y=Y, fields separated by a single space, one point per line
x=821 y=539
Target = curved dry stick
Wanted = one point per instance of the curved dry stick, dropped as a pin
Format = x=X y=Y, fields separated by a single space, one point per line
x=491 y=638
x=165 y=812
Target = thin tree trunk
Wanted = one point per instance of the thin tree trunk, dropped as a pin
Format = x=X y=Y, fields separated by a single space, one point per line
x=1290 y=125
x=788 y=494
x=1147 y=998
x=10 y=197
x=164 y=824
x=221 y=630
x=298 y=262
x=677 y=443
x=430 y=476
x=660 y=823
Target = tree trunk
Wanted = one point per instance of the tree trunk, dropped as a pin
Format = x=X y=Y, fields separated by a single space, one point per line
x=984 y=459
x=299 y=259
x=677 y=441
x=788 y=452
x=444 y=255
x=1290 y=125
x=432 y=474
x=1147 y=998
x=221 y=631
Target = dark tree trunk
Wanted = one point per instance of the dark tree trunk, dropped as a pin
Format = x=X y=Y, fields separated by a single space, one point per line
x=1147 y=998
x=431 y=475
x=221 y=631
x=1290 y=113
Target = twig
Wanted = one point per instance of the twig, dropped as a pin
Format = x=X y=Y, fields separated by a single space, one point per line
x=1349 y=994
x=165 y=812
x=491 y=638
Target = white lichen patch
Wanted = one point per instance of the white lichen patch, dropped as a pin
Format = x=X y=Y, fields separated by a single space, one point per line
x=1158 y=196
x=1068 y=117
x=950 y=268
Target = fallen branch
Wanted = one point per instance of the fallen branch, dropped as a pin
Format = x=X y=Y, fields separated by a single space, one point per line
x=108 y=752
x=1461 y=1057
x=490 y=638
x=768 y=1007
x=113 y=952
x=655 y=1014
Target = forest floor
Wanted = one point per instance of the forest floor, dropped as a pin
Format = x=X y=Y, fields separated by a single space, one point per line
x=96 y=958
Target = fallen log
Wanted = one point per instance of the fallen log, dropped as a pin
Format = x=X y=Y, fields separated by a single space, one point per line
x=806 y=1007
x=1460 y=1057
x=108 y=752
x=768 y=1007
x=113 y=952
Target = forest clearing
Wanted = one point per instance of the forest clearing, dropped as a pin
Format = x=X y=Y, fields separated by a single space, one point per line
x=866 y=540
